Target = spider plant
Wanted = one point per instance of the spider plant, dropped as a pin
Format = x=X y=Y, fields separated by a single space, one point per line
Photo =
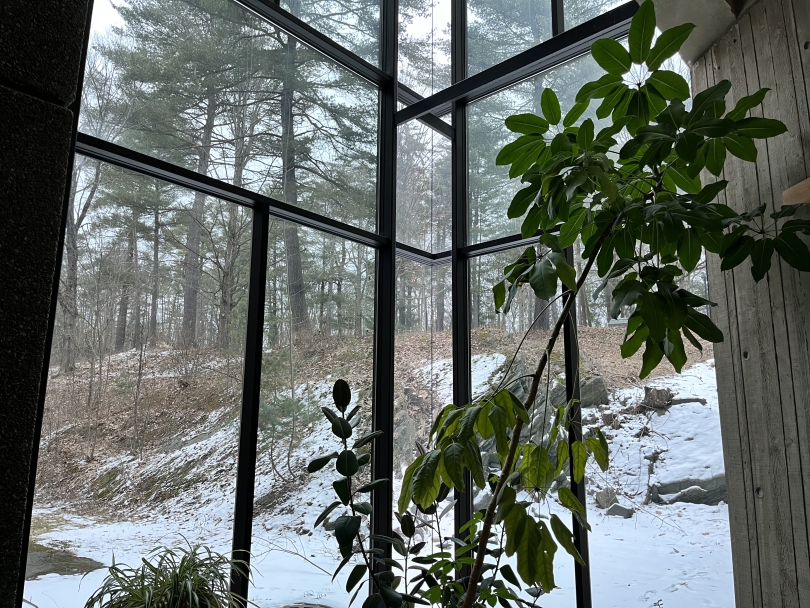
x=196 y=577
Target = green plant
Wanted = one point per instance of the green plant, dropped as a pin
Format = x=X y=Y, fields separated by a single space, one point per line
x=172 y=578
x=644 y=218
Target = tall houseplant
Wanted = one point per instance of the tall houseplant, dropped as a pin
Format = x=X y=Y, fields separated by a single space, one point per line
x=644 y=218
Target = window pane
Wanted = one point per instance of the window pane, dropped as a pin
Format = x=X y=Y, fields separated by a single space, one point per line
x=490 y=189
x=423 y=382
x=318 y=327
x=424 y=45
x=494 y=340
x=580 y=11
x=211 y=87
x=141 y=422
x=667 y=476
x=500 y=29
x=354 y=24
x=423 y=187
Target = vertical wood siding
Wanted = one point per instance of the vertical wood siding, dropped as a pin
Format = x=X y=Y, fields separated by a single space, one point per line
x=763 y=367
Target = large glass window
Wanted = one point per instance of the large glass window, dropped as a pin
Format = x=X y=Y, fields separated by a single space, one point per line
x=141 y=422
x=424 y=45
x=319 y=322
x=211 y=87
x=423 y=188
x=490 y=189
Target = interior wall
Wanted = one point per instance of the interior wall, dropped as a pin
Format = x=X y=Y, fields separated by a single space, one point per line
x=763 y=368
x=40 y=56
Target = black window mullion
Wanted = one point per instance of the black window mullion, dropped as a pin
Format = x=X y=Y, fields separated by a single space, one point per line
x=249 y=425
x=462 y=375
x=385 y=284
x=582 y=574
x=557 y=17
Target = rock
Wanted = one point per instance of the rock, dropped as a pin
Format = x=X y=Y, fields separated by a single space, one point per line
x=606 y=497
x=710 y=491
x=618 y=510
x=608 y=418
x=657 y=398
x=593 y=391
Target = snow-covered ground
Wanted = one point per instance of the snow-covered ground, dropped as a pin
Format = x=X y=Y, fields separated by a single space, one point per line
x=664 y=556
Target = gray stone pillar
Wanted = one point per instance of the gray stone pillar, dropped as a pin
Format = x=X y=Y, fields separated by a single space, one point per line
x=40 y=59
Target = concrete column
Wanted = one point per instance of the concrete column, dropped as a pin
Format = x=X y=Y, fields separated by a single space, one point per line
x=40 y=59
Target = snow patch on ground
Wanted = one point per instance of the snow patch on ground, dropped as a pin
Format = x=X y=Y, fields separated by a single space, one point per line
x=665 y=556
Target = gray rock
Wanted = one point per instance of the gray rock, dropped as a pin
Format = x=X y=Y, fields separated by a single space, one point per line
x=606 y=497
x=593 y=391
x=618 y=510
x=710 y=491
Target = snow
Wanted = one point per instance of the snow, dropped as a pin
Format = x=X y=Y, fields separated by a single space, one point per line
x=665 y=556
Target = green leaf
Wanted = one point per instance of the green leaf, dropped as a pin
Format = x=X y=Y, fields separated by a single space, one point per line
x=746 y=103
x=325 y=513
x=426 y=483
x=585 y=135
x=674 y=350
x=346 y=529
x=319 y=463
x=371 y=485
x=680 y=176
x=580 y=455
x=741 y=147
x=670 y=84
x=569 y=500
x=341 y=487
x=734 y=254
x=453 y=459
x=668 y=43
x=565 y=538
x=562 y=455
x=550 y=106
x=357 y=574
x=367 y=439
x=522 y=200
x=341 y=394
x=650 y=359
x=689 y=249
x=564 y=270
x=527 y=551
x=543 y=279
x=642 y=30
x=499 y=294
x=509 y=575
x=372 y=601
x=760 y=128
x=392 y=598
x=597 y=89
x=518 y=149
x=793 y=250
x=363 y=507
x=472 y=459
x=406 y=491
x=611 y=56
x=705 y=100
x=691 y=337
x=577 y=110
x=710 y=192
x=528 y=124
x=347 y=463
x=599 y=454
x=703 y=326
x=341 y=428
x=715 y=156
x=761 y=254
x=630 y=346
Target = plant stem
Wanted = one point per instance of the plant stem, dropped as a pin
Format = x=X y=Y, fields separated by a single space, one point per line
x=489 y=517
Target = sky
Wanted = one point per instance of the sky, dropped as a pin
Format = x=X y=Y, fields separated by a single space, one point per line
x=104 y=15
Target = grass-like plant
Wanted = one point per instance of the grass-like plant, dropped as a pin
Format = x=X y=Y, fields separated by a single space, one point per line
x=196 y=577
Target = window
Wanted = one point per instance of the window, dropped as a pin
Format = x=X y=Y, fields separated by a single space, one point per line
x=230 y=252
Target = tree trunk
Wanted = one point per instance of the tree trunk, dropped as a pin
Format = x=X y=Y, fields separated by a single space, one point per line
x=192 y=272
x=137 y=322
x=123 y=303
x=155 y=275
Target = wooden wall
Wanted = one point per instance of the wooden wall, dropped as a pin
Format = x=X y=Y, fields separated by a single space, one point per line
x=763 y=368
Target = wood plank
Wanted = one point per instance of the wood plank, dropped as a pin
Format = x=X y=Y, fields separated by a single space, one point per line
x=762 y=385
x=801 y=23
x=733 y=420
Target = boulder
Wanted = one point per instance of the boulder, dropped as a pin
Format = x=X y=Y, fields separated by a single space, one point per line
x=618 y=510
x=593 y=391
x=606 y=497
x=710 y=491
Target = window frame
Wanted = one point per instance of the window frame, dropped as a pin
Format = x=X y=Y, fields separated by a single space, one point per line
x=562 y=47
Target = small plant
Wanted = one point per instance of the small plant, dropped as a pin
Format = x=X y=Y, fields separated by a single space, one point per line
x=644 y=219
x=172 y=578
